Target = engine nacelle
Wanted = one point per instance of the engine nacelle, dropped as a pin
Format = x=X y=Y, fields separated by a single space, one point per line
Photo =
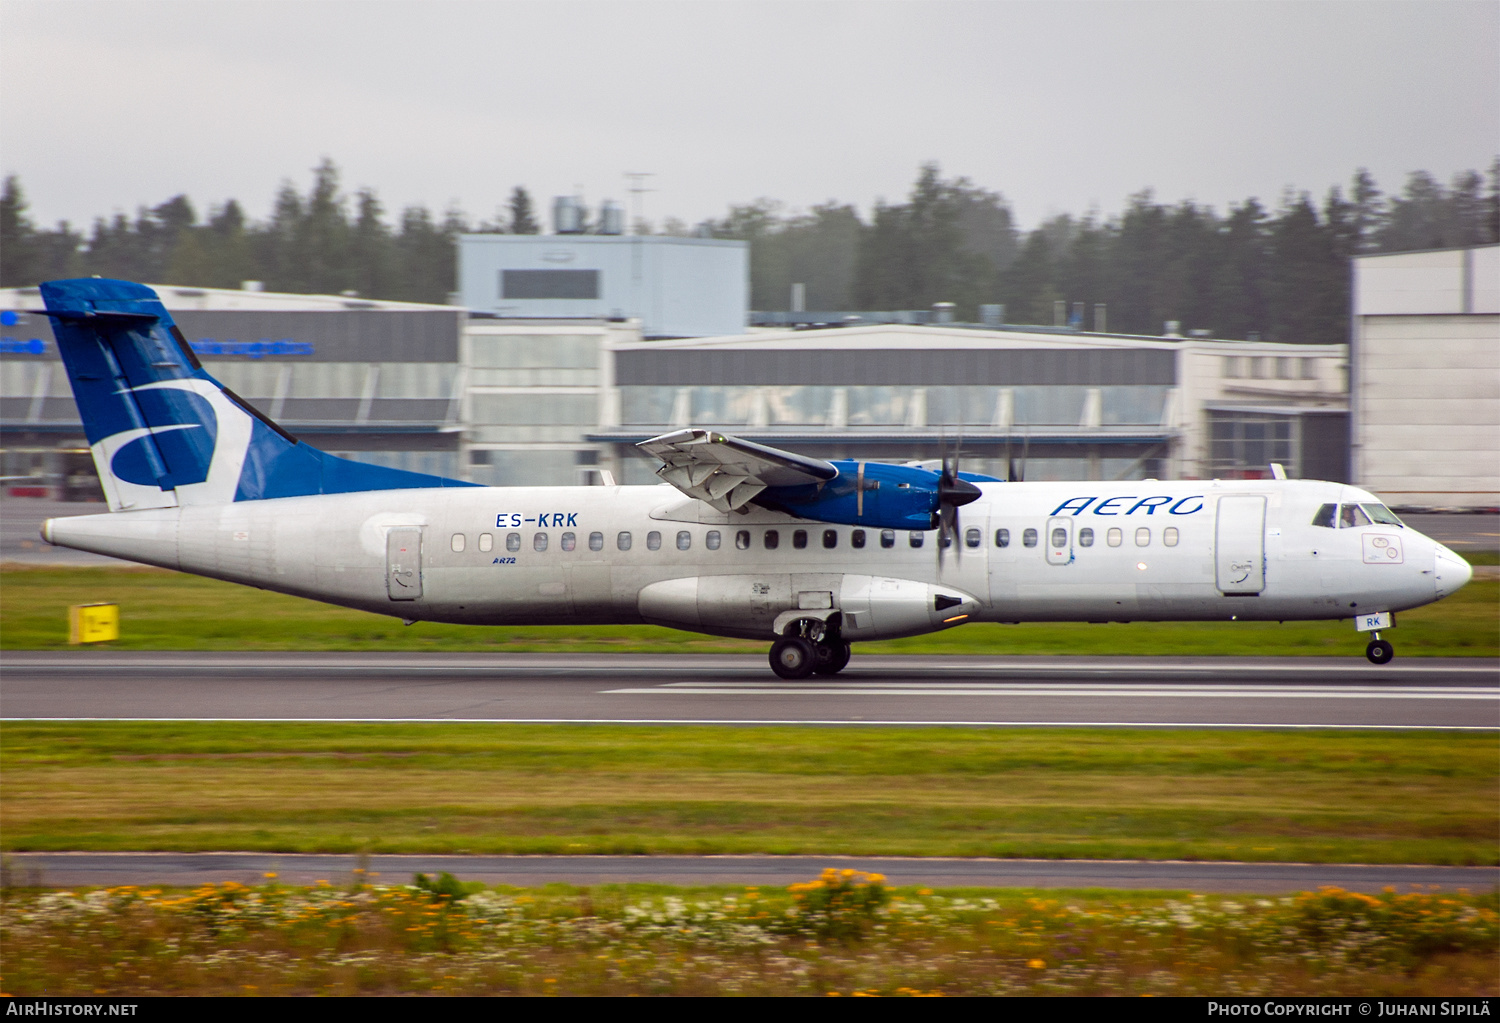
x=873 y=494
x=748 y=606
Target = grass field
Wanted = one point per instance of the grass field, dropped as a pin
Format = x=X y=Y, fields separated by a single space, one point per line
x=307 y=787
x=835 y=935
x=169 y=611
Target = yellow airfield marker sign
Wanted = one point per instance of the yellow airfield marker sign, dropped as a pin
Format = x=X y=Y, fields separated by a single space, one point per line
x=93 y=623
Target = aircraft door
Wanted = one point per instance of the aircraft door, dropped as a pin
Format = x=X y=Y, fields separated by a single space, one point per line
x=1240 y=545
x=1060 y=540
x=403 y=563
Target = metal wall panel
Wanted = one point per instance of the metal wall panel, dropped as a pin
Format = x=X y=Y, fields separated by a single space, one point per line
x=896 y=366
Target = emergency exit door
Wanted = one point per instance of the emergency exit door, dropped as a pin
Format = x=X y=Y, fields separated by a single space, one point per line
x=1240 y=545
x=403 y=563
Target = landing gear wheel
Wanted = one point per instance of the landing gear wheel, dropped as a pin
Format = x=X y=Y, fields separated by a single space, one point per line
x=831 y=657
x=1380 y=651
x=793 y=657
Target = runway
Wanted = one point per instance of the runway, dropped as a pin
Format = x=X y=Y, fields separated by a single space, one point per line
x=189 y=869
x=1457 y=694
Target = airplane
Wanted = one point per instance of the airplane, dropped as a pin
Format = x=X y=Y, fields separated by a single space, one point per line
x=740 y=539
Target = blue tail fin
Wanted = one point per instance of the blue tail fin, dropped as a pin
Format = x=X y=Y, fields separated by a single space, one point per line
x=165 y=433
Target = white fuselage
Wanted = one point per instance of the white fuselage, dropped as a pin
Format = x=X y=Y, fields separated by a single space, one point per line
x=1132 y=551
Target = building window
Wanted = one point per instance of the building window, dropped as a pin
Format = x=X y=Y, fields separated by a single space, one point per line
x=622 y=541
x=549 y=283
x=684 y=540
x=512 y=541
x=486 y=541
x=539 y=542
x=742 y=540
x=799 y=538
x=857 y=538
x=914 y=538
x=1283 y=368
x=1028 y=538
x=711 y=541
x=1231 y=367
x=596 y=541
x=1085 y=537
x=1169 y=536
x=1309 y=369
x=1002 y=538
x=773 y=539
x=1242 y=445
x=1114 y=537
x=887 y=538
x=653 y=541
x=830 y=539
x=457 y=543
x=1143 y=536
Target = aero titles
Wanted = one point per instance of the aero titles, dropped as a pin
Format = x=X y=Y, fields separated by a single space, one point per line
x=1116 y=505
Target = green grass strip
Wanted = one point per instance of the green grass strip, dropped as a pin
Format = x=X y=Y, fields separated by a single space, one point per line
x=170 y=611
x=496 y=788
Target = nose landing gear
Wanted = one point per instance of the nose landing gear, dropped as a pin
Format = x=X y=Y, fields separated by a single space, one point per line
x=810 y=646
x=1379 y=651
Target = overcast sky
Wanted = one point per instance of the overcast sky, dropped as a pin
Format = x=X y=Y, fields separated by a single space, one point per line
x=105 y=106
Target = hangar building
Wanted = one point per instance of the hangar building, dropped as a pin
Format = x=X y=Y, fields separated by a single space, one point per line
x=1425 y=379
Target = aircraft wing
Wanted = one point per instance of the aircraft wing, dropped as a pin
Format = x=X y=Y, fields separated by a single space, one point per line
x=726 y=472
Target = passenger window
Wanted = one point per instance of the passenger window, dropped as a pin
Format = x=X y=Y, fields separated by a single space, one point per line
x=458 y=543
x=742 y=540
x=1351 y=516
x=914 y=538
x=539 y=542
x=622 y=541
x=512 y=541
x=1086 y=537
x=711 y=541
x=1169 y=536
x=596 y=541
x=1028 y=538
x=830 y=538
x=773 y=539
x=1002 y=538
x=1324 y=515
x=973 y=537
x=857 y=538
x=944 y=540
x=653 y=541
x=799 y=538
x=887 y=538
x=684 y=540
x=486 y=541
x=569 y=541
x=1114 y=537
x=1059 y=538
x=1143 y=536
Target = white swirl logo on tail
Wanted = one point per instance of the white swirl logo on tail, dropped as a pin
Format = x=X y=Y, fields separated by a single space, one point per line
x=231 y=443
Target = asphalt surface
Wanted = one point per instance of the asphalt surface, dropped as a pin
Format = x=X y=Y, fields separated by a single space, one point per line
x=1462 y=694
x=188 y=869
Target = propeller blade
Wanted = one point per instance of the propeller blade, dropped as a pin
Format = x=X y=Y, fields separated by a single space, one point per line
x=859 y=492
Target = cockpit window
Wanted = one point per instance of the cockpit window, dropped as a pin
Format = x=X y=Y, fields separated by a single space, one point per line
x=1351 y=516
x=1325 y=515
x=1383 y=515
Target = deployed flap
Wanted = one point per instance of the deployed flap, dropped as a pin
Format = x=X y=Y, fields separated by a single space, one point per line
x=726 y=472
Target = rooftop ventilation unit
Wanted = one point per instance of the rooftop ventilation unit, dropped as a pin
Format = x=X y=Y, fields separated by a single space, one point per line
x=567 y=215
x=611 y=218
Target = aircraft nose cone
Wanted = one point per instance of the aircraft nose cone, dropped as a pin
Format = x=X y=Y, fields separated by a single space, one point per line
x=1451 y=572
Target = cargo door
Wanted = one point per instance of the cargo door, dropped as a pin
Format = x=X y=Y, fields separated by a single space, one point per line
x=1240 y=545
x=403 y=563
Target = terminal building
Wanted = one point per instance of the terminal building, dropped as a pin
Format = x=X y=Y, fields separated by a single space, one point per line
x=1053 y=404
x=1425 y=387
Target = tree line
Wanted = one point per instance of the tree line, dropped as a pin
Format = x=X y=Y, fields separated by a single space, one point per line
x=1249 y=271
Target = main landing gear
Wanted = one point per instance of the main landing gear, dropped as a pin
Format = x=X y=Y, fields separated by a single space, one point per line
x=810 y=646
x=1380 y=650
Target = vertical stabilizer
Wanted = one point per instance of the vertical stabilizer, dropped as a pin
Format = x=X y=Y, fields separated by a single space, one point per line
x=162 y=431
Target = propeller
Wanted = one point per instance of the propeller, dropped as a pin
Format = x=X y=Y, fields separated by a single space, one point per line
x=953 y=493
